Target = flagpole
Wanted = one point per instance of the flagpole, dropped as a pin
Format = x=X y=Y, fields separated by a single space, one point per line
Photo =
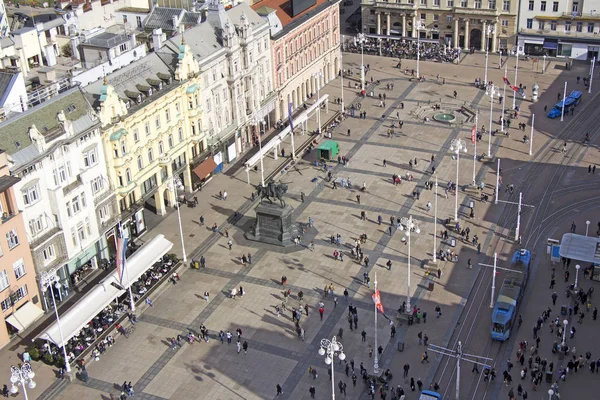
x=475 y=149
x=131 y=302
x=376 y=359
x=290 y=106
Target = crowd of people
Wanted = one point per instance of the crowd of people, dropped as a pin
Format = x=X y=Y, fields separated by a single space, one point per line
x=404 y=49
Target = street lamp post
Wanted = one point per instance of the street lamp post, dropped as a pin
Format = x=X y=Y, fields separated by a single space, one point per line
x=491 y=90
x=531 y=136
x=565 y=323
x=577 y=268
x=174 y=185
x=489 y=31
x=435 y=222
x=516 y=74
x=317 y=77
x=256 y=123
x=587 y=227
x=503 y=100
x=21 y=376
x=410 y=225
x=360 y=38
x=419 y=26
x=564 y=99
x=342 y=79
x=48 y=279
x=457 y=145
x=329 y=349
x=497 y=181
x=544 y=64
x=592 y=74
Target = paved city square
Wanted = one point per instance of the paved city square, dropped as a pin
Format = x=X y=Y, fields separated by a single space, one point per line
x=558 y=186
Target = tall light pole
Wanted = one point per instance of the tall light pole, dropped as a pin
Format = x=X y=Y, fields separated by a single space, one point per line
x=409 y=225
x=592 y=74
x=564 y=99
x=317 y=77
x=174 y=185
x=577 y=268
x=48 y=279
x=457 y=145
x=419 y=26
x=489 y=31
x=256 y=123
x=587 y=227
x=21 y=376
x=497 y=182
x=342 y=79
x=435 y=221
x=474 y=141
x=490 y=90
x=360 y=38
x=565 y=323
x=503 y=99
x=516 y=74
x=329 y=349
x=376 y=358
x=531 y=135
x=544 y=64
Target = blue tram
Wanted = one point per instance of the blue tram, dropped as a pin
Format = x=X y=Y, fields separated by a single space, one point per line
x=430 y=395
x=510 y=296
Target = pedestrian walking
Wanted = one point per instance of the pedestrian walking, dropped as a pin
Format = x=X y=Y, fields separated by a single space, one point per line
x=239 y=346
x=149 y=302
x=312 y=392
x=279 y=390
x=229 y=244
x=206 y=295
x=321 y=312
x=245 y=347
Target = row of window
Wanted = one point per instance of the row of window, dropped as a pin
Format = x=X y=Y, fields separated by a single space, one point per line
x=491 y=4
x=14 y=298
x=122 y=149
x=19 y=270
x=568 y=25
x=81 y=232
x=555 y=4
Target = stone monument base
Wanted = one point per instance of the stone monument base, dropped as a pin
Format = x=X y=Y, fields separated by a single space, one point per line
x=274 y=225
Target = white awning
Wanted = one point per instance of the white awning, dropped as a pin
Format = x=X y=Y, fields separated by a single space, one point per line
x=25 y=316
x=580 y=248
x=533 y=40
x=105 y=292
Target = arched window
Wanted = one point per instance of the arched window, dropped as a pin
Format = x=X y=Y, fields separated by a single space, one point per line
x=140 y=163
x=171 y=141
x=160 y=148
x=150 y=155
x=128 y=175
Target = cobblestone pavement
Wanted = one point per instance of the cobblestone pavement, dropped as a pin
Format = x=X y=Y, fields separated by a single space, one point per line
x=216 y=371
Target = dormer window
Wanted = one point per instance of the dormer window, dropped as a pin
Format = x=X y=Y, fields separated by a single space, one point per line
x=160 y=85
x=149 y=92
x=139 y=98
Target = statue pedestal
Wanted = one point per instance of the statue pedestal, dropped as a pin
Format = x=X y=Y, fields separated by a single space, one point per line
x=273 y=225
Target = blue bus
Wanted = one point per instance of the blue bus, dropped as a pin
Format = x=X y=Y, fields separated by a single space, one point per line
x=574 y=98
x=430 y=395
x=510 y=295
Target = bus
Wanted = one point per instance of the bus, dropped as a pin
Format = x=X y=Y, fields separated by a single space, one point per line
x=430 y=395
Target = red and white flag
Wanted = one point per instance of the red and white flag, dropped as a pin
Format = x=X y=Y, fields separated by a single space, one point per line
x=473 y=134
x=377 y=300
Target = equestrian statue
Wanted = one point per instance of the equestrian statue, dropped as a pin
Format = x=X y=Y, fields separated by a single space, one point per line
x=272 y=191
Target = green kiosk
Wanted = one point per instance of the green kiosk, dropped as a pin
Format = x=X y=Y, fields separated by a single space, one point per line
x=328 y=150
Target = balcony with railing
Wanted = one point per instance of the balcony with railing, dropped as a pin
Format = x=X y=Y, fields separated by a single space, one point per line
x=560 y=32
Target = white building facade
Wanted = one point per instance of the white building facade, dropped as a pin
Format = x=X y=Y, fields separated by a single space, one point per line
x=560 y=28
x=68 y=205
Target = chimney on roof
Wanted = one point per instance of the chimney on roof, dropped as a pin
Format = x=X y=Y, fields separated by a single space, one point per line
x=158 y=38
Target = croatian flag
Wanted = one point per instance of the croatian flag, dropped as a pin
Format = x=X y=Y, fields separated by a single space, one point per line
x=377 y=300
x=516 y=89
x=290 y=112
x=121 y=247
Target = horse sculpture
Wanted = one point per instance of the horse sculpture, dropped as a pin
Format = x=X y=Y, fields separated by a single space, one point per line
x=272 y=191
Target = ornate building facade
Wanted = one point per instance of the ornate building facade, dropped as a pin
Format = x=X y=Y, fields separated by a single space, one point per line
x=456 y=23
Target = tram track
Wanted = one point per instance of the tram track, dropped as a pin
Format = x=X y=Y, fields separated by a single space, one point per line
x=552 y=155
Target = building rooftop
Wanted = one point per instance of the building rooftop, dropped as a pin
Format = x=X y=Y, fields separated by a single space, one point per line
x=138 y=10
x=106 y=40
x=14 y=133
x=152 y=72
x=162 y=17
x=7 y=181
x=283 y=8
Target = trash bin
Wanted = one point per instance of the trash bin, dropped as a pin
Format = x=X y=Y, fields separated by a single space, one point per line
x=196 y=265
x=430 y=286
x=400 y=346
x=563 y=309
x=548 y=377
